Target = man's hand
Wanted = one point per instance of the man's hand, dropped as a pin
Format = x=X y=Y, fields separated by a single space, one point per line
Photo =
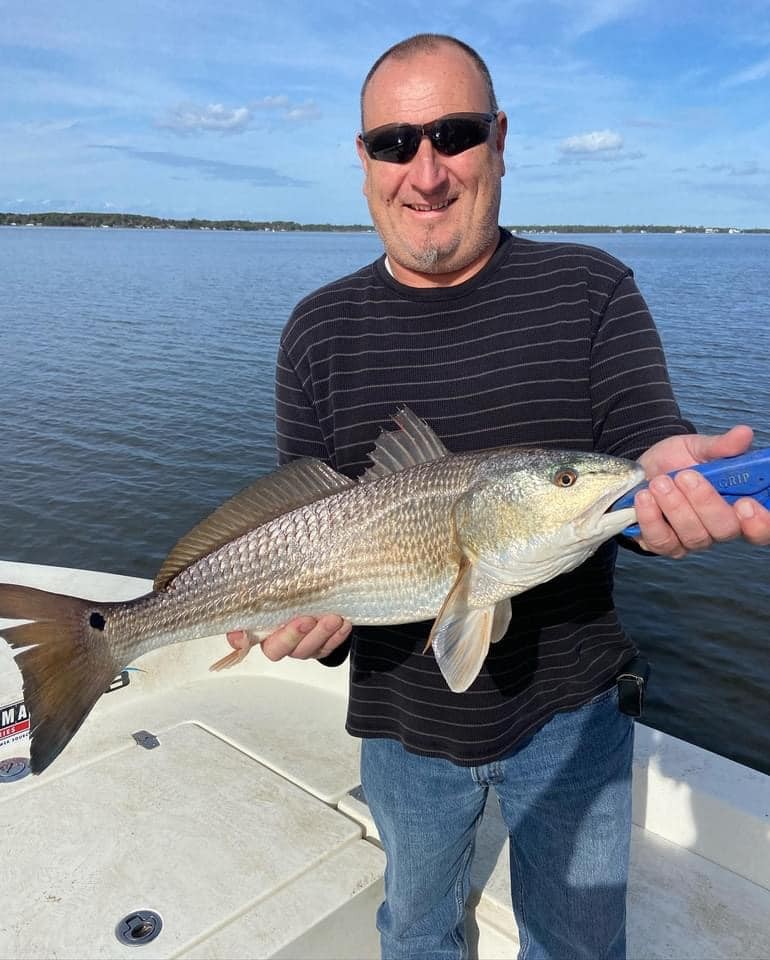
x=687 y=513
x=302 y=638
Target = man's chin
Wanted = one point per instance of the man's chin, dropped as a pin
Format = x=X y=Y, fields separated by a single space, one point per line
x=432 y=257
x=428 y=260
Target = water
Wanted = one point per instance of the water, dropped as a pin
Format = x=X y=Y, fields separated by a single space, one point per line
x=137 y=393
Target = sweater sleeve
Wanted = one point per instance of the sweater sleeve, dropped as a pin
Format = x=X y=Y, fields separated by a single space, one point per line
x=297 y=431
x=632 y=398
x=298 y=434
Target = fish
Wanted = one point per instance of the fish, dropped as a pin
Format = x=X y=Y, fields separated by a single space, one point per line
x=422 y=534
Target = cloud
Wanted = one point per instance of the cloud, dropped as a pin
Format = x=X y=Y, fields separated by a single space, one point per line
x=582 y=159
x=597 y=141
x=271 y=103
x=186 y=118
x=303 y=111
x=281 y=104
x=43 y=128
x=756 y=72
x=748 y=168
x=190 y=118
x=586 y=17
x=212 y=169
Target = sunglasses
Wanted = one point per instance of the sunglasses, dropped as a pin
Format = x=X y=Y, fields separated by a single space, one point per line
x=449 y=135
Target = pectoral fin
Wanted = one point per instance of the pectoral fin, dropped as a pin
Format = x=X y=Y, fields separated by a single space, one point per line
x=461 y=636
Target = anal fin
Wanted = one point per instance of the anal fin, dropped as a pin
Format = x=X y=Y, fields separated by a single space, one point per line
x=241 y=641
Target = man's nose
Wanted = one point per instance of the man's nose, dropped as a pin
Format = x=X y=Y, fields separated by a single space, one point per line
x=427 y=171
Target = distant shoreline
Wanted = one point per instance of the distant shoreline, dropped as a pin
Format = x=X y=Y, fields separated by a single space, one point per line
x=140 y=222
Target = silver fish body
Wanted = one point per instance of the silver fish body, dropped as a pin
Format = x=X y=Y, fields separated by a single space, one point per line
x=425 y=534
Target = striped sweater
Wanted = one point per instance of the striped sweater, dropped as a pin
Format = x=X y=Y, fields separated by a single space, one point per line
x=548 y=345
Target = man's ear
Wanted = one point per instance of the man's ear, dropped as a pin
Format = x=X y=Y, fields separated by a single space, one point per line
x=363 y=156
x=501 y=129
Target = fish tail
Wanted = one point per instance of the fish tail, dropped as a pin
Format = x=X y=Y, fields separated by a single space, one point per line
x=65 y=661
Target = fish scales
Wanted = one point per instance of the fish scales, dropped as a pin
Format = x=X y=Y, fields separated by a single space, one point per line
x=375 y=553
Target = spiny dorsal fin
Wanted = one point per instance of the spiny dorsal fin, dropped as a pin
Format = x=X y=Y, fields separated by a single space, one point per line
x=414 y=442
x=294 y=485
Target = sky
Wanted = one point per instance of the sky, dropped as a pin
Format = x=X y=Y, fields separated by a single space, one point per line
x=619 y=111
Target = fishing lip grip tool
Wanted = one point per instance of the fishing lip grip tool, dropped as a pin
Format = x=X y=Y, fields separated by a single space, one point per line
x=747 y=475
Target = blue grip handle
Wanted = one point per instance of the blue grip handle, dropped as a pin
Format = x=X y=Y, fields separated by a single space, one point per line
x=747 y=475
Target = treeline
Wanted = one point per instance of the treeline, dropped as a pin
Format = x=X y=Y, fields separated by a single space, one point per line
x=627 y=228
x=141 y=222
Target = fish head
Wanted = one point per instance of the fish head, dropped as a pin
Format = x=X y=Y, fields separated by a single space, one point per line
x=531 y=515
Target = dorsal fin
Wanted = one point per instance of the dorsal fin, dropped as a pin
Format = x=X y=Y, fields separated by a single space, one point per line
x=294 y=485
x=395 y=450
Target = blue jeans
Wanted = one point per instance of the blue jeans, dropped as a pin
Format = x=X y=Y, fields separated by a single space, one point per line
x=565 y=797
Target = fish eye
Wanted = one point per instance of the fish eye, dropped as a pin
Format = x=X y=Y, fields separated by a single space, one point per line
x=565 y=477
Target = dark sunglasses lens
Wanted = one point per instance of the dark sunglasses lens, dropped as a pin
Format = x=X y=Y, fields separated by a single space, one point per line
x=457 y=134
x=398 y=144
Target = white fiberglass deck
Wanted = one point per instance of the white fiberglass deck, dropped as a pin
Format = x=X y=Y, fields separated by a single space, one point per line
x=244 y=829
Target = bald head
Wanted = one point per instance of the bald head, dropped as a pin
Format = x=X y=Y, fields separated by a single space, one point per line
x=430 y=43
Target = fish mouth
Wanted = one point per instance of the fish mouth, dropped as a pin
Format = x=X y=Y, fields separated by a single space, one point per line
x=601 y=517
x=636 y=480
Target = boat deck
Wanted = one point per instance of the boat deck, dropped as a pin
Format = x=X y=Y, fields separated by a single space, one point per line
x=246 y=831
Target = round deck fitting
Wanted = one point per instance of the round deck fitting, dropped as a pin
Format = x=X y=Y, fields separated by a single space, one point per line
x=14 y=768
x=139 y=928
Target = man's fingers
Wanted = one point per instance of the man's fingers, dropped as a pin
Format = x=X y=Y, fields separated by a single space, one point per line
x=755 y=521
x=715 y=515
x=676 y=453
x=310 y=648
x=241 y=639
x=283 y=641
x=733 y=442
x=657 y=535
x=305 y=637
x=687 y=513
x=686 y=527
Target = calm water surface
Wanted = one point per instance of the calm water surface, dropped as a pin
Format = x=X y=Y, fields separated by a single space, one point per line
x=137 y=394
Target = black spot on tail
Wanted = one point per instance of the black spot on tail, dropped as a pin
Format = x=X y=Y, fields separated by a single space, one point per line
x=65 y=666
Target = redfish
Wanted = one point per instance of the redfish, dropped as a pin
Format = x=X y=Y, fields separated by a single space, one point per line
x=422 y=534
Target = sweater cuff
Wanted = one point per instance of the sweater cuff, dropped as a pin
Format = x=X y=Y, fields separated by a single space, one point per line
x=338 y=656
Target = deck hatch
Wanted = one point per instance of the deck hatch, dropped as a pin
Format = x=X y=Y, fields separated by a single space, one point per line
x=13 y=768
x=139 y=928
x=146 y=739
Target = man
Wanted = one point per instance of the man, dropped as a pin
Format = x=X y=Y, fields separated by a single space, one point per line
x=493 y=340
